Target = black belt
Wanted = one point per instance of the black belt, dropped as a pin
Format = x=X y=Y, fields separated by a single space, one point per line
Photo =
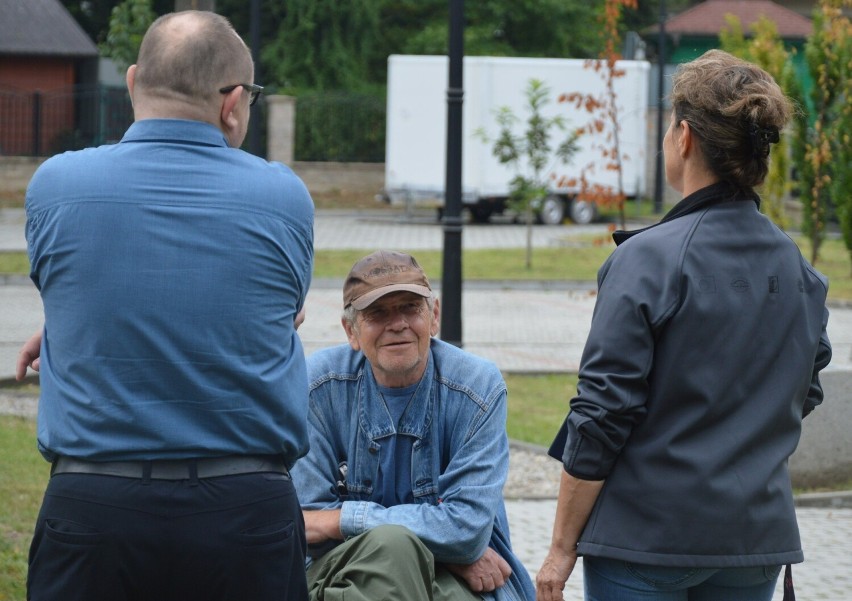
x=177 y=469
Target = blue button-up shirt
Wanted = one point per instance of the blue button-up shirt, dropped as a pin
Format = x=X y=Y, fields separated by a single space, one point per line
x=171 y=269
x=459 y=463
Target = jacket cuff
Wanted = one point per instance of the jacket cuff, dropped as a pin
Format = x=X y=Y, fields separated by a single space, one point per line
x=353 y=518
x=588 y=453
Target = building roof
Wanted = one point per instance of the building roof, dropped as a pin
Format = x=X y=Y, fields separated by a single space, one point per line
x=708 y=18
x=43 y=28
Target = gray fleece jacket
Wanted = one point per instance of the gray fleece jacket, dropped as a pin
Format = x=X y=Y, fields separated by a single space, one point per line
x=706 y=344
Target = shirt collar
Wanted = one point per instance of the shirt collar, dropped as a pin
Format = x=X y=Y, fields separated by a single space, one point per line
x=175 y=130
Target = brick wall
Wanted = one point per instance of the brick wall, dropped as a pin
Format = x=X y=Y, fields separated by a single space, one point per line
x=20 y=78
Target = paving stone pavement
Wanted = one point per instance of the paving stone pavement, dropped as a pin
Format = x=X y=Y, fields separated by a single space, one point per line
x=826 y=574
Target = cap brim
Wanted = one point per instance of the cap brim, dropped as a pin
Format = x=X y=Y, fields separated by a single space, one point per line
x=365 y=300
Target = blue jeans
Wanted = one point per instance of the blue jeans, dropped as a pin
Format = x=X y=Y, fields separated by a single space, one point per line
x=614 y=580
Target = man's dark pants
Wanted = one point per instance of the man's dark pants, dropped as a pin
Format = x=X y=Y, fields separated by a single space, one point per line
x=105 y=537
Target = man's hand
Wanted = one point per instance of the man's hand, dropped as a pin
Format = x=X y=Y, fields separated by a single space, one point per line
x=299 y=319
x=322 y=525
x=554 y=573
x=28 y=356
x=484 y=575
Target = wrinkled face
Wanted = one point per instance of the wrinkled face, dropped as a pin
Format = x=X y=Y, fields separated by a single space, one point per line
x=394 y=334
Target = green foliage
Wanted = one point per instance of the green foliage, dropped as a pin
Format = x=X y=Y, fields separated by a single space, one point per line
x=340 y=126
x=827 y=157
x=529 y=153
x=766 y=49
x=347 y=43
x=323 y=44
x=127 y=25
x=533 y=28
x=336 y=45
x=94 y=15
x=555 y=28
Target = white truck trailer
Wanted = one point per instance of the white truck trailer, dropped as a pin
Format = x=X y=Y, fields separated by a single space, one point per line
x=416 y=147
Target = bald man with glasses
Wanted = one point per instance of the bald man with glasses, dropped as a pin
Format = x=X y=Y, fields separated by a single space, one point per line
x=173 y=268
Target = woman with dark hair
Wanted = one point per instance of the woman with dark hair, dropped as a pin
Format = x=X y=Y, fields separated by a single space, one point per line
x=703 y=357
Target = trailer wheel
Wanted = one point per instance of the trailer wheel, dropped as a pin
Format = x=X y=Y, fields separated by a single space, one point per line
x=583 y=212
x=481 y=213
x=551 y=211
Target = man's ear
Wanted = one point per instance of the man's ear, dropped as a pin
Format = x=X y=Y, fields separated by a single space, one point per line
x=130 y=79
x=351 y=334
x=230 y=121
x=436 y=317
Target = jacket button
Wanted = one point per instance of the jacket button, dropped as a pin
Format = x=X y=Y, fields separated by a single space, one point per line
x=373 y=450
x=368 y=482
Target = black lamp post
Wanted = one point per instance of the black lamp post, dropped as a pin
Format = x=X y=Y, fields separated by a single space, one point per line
x=661 y=66
x=451 y=313
x=254 y=141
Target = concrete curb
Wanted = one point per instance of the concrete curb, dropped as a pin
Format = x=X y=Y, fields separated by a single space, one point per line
x=841 y=499
x=831 y=499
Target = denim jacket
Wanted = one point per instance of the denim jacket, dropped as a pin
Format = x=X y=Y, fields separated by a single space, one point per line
x=460 y=457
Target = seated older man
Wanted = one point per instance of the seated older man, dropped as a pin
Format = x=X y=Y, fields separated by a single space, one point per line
x=402 y=489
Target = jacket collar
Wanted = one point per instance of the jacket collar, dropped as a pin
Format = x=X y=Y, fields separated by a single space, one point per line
x=700 y=199
x=373 y=416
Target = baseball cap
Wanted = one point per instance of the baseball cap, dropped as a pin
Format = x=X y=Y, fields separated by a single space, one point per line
x=381 y=273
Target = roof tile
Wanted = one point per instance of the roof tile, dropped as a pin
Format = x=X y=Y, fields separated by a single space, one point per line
x=708 y=18
x=41 y=27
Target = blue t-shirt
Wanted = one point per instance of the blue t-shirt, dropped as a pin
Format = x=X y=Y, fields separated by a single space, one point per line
x=393 y=486
x=171 y=267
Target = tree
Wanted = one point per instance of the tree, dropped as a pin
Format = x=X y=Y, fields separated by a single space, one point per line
x=766 y=49
x=94 y=15
x=604 y=116
x=334 y=44
x=530 y=153
x=827 y=166
x=501 y=28
x=348 y=43
x=127 y=25
x=324 y=44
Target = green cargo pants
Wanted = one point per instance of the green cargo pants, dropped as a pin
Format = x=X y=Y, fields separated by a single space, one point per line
x=387 y=563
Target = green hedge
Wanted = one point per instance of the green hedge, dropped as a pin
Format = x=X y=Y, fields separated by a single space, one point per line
x=340 y=126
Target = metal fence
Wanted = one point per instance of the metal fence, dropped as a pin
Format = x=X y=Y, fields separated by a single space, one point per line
x=330 y=126
x=340 y=126
x=45 y=123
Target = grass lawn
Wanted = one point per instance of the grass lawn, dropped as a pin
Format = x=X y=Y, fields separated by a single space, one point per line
x=22 y=480
x=578 y=261
x=538 y=405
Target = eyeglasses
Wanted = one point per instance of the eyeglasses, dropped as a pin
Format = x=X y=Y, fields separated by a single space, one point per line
x=253 y=90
